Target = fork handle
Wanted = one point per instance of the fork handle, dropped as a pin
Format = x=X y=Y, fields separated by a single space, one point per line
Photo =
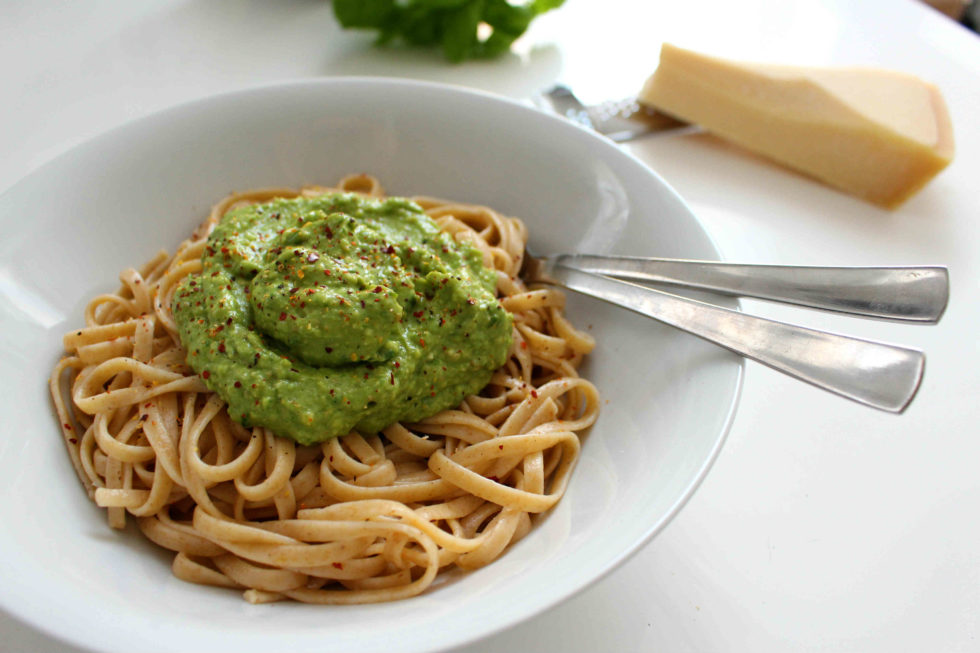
x=907 y=294
x=872 y=373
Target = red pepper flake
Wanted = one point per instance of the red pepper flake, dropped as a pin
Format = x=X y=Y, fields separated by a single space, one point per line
x=418 y=314
x=390 y=249
x=397 y=364
x=391 y=378
x=228 y=321
x=422 y=341
x=534 y=393
x=238 y=384
x=500 y=446
x=205 y=374
x=67 y=426
x=282 y=316
x=221 y=347
x=523 y=345
x=73 y=440
x=377 y=289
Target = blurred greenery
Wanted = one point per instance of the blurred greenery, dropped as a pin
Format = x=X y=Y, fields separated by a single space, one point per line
x=453 y=25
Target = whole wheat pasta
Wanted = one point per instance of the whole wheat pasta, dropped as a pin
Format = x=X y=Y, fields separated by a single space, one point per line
x=362 y=518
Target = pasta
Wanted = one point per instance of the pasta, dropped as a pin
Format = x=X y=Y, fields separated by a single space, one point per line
x=362 y=518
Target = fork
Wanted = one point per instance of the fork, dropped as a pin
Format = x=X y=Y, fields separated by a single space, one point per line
x=620 y=120
x=876 y=374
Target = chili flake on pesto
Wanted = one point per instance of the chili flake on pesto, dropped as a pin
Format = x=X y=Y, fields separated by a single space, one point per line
x=317 y=315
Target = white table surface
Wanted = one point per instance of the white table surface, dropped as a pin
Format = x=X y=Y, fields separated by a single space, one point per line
x=823 y=526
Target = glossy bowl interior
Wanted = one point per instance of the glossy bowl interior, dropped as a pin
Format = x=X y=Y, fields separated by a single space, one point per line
x=71 y=226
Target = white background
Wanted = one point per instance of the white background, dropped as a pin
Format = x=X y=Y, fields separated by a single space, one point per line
x=824 y=526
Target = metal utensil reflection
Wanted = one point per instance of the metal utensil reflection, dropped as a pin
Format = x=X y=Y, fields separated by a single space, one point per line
x=876 y=374
x=620 y=121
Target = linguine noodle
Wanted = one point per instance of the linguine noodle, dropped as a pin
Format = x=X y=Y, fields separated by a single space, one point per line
x=357 y=519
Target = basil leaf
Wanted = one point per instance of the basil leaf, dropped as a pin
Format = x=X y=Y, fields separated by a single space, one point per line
x=541 y=6
x=459 y=31
x=452 y=24
x=498 y=43
x=503 y=16
x=439 y=4
x=421 y=26
x=363 y=13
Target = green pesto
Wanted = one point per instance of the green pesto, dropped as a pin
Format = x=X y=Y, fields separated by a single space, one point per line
x=315 y=316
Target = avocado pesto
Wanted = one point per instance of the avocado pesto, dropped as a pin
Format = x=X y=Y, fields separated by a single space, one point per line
x=317 y=315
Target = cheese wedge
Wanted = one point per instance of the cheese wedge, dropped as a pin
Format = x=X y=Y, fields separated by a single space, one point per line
x=877 y=134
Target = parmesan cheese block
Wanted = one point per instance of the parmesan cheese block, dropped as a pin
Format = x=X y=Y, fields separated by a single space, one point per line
x=877 y=134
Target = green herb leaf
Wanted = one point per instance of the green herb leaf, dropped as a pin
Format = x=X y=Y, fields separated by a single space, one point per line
x=421 y=26
x=363 y=13
x=452 y=24
x=541 y=6
x=440 y=4
x=508 y=18
x=498 y=43
x=459 y=31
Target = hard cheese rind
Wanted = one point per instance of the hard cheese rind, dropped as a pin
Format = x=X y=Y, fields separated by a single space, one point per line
x=877 y=134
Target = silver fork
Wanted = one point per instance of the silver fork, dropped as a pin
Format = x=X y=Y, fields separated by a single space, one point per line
x=621 y=120
x=876 y=374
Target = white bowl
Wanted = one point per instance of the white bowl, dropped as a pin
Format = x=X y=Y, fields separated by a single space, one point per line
x=70 y=227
